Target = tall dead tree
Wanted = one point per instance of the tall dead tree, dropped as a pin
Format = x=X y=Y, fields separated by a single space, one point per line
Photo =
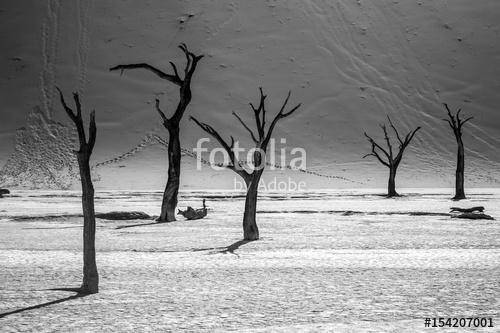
x=90 y=283
x=169 y=202
x=391 y=160
x=456 y=125
x=261 y=140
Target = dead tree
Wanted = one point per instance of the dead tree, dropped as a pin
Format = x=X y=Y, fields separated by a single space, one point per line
x=391 y=160
x=169 y=202
x=261 y=140
x=456 y=125
x=90 y=283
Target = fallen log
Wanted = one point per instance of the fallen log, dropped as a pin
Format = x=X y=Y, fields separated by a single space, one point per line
x=473 y=216
x=467 y=210
x=194 y=214
x=3 y=191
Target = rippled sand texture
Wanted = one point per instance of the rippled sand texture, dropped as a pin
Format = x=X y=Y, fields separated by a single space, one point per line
x=350 y=63
x=316 y=268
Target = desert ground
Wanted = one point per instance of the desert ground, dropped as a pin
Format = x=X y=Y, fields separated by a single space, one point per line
x=338 y=261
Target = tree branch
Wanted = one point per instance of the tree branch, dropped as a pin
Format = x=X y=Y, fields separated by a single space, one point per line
x=377 y=145
x=410 y=136
x=247 y=128
x=191 y=61
x=451 y=116
x=78 y=121
x=456 y=123
x=466 y=120
x=261 y=110
x=395 y=130
x=176 y=73
x=235 y=164
x=374 y=151
x=68 y=110
x=92 y=131
x=76 y=97
x=184 y=49
x=295 y=108
x=407 y=141
x=166 y=121
x=449 y=123
x=388 y=141
x=172 y=78
x=281 y=114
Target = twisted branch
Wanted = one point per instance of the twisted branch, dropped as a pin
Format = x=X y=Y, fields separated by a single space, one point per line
x=78 y=121
x=260 y=120
x=403 y=144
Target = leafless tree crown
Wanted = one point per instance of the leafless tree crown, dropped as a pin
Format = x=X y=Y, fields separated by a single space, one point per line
x=76 y=117
x=184 y=83
x=455 y=121
x=261 y=138
x=391 y=158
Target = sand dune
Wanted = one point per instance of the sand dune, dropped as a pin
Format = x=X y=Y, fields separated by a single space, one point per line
x=350 y=63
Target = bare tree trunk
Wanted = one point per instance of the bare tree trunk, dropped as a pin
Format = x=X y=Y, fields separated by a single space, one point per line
x=250 y=229
x=456 y=124
x=169 y=202
x=459 y=179
x=391 y=191
x=90 y=284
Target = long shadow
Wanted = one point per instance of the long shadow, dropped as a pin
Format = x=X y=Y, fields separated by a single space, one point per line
x=28 y=218
x=351 y=212
x=138 y=225
x=233 y=247
x=42 y=305
x=221 y=249
x=177 y=251
x=72 y=227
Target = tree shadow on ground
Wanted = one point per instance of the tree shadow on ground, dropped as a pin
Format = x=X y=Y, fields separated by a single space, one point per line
x=352 y=212
x=28 y=218
x=233 y=247
x=139 y=225
x=42 y=305
x=211 y=250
